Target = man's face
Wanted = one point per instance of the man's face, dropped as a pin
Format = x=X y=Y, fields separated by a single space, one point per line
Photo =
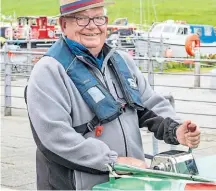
x=91 y=36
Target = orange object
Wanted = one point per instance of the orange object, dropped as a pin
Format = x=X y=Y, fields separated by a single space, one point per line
x=10 y=54
x=191 y=42
x=200 y=186
x=99 y=131
x=168 y=53
x=189 y=62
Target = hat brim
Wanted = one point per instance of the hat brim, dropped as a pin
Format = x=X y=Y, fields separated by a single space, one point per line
x=103 y=4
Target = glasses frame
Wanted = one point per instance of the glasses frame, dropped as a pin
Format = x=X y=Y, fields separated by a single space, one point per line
x=89 y=20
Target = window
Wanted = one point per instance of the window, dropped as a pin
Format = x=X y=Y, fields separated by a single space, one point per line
x=34 y=22
x=182 y=31
x=198 y=31
x=169 y=29
x=22 y=21
x=185 y=30
x=156 y=29
x=208 y=30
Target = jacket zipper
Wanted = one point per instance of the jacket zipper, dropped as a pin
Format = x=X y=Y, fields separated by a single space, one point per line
x=102 y=74
x=105 y=87
x=92 y=66
x=124 y=137
x=104 y=78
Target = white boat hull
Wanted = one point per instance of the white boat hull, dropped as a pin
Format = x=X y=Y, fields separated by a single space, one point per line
x=157 y=48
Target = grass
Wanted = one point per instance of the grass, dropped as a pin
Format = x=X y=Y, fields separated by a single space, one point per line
x=177 y=70
x=193 y=11
x=180 y=67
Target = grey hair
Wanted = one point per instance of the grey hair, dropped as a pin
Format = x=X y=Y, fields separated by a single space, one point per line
x=105 y=11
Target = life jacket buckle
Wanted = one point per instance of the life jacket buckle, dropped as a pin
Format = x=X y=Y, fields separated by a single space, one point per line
x=90 y=126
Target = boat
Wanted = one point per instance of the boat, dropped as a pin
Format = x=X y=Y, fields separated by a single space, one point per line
x=170 y=170
x=171 y=35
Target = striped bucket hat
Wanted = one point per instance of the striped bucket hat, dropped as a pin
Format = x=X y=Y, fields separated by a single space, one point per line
x=74 y=6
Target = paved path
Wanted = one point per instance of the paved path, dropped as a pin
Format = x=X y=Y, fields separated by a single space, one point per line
x=18 y=152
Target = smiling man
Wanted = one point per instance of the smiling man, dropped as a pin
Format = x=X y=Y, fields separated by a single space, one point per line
x=87 y=28
x=86 y=103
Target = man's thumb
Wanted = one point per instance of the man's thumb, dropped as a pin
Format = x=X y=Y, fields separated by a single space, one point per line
x=186 y=124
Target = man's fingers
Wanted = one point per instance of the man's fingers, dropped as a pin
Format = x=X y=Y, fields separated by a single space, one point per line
x=132 y=162
x=188 y=134
x=193 y=138
x=193 y=130
x=193 y=145
x=186 y=123
x=192 y=125
x=193 y=134
x=193 y=142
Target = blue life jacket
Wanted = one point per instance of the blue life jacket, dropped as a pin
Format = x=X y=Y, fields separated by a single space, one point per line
x=92 y=90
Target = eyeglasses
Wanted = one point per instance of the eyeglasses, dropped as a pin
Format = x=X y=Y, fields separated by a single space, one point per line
x=84 y=20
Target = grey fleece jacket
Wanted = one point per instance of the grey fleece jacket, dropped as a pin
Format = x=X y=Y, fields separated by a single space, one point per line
x=65 y=158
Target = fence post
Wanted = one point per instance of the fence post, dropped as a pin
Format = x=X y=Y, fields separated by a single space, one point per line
x=197 y=68
x=7 y=84
x=150 y=73
x=161 y=52
x=138 y=61
x=29 y=58
x=148 y=51
x=151 y=82
x=119 y=44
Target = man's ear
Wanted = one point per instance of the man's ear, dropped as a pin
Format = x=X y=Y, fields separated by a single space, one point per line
x=62 y=23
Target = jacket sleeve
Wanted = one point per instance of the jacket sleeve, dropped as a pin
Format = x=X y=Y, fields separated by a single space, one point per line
x=159 y=115
x=49 y=107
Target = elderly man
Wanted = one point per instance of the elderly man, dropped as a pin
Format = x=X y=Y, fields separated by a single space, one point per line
x=86 y=103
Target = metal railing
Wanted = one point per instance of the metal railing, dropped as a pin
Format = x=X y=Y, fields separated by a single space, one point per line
x=9 y=74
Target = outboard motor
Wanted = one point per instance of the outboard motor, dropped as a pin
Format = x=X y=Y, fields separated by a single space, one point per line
x=175 y=161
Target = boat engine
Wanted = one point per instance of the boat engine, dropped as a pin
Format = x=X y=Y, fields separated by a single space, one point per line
x=175 y=161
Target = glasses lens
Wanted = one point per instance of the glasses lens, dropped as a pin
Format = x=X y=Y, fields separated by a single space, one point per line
x=100 y=20
x=82 y=21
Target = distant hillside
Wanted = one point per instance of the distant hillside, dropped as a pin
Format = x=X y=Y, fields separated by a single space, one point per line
x=193 y=11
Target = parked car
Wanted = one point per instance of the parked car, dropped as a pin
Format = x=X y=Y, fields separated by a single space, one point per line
x=121 y=37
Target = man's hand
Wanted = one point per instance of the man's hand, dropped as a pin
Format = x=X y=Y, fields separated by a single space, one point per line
x=132 y=162
x=186 y=137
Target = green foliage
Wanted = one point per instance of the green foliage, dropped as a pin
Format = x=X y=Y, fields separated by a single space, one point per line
x=212 y=56
x=30 y=7
x=175 y=65
x=181 y=67
x=193 y=11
